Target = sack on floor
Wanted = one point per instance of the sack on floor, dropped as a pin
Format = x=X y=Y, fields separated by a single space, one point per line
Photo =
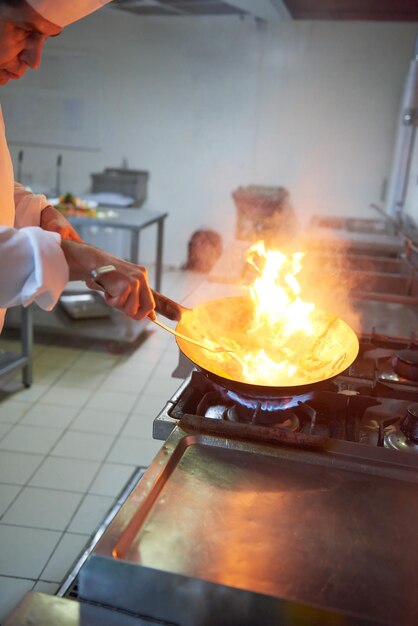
x=204 y=249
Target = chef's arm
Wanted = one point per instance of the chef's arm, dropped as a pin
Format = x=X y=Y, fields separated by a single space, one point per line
x=32 y=267
x=54 y=221
x=54 y=251
x=34 y=210
x=126 y=289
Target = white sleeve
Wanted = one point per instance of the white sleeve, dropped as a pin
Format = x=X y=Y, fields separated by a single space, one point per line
x=28 y=207
x=32 y=267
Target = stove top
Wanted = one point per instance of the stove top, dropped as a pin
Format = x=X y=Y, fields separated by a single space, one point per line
x=374 y=402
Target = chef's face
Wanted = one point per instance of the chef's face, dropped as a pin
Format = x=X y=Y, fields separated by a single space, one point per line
x=23 y=33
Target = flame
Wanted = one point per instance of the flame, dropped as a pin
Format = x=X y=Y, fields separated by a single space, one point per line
x=276 y=338
x=275 y=293
x=281 y=317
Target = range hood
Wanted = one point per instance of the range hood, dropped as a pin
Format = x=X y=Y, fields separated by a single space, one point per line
x=272 y=10
x=262 y=9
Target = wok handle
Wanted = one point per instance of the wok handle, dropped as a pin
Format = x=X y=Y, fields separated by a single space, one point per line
x=168 y=308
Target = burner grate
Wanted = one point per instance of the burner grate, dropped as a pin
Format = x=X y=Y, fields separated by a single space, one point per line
x=329 y=414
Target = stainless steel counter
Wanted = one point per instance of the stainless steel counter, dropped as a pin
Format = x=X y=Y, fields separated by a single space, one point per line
x=317 y=528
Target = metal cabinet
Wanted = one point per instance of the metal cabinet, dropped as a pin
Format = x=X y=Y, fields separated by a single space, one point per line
x=130 y=183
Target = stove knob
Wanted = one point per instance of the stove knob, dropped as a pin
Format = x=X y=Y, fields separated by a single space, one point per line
x=409 y=424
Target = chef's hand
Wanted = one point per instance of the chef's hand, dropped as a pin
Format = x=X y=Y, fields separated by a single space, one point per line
x=126 y=288
x=53 y=220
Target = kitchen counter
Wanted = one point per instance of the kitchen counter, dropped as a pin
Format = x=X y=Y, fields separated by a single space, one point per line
x=366 y=241
x=224 y=527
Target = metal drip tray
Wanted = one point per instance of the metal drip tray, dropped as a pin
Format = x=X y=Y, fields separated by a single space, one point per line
x=324 y=528
x=86 y=305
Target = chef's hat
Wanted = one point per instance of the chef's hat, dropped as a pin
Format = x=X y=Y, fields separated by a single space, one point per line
x=63 y=12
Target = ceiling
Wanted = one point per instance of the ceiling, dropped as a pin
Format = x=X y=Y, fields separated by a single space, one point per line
x=376 y=10
x=172 y=8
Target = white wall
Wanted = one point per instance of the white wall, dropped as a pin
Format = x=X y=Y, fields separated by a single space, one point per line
x=208 y=104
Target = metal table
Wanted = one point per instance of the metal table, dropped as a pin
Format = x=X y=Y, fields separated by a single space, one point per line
x=134 y=221
x=10 y=361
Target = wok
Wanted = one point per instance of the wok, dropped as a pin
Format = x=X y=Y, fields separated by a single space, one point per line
x=216 y=319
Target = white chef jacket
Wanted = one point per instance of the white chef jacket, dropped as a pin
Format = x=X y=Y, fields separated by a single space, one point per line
x=32 y=264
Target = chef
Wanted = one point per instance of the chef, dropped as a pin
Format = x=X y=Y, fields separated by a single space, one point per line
x=39 y=249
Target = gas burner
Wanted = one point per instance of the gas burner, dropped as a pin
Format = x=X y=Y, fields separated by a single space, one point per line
x=388 y=361
x=405 y=364
x=280 y=418
x=260 y=410
x=265 y=404
x=406 y=436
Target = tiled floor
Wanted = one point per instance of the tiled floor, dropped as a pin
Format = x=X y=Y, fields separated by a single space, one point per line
x=70 y=443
